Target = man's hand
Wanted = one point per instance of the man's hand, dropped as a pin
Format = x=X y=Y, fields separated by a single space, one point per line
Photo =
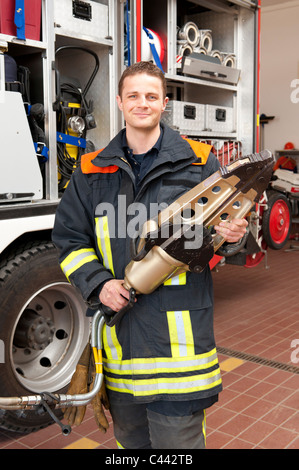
x=232 y=231
x=114 y=295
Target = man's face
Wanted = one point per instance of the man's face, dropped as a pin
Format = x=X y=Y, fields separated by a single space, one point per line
x=142 y=101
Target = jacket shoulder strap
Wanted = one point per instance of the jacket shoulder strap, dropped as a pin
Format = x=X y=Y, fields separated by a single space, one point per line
x=202 y=151
x=88 y=167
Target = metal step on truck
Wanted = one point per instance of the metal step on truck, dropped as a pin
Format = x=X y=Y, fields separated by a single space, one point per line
x=59 y=67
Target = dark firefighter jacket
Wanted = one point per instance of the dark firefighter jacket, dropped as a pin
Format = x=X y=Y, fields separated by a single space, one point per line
x=164 y=346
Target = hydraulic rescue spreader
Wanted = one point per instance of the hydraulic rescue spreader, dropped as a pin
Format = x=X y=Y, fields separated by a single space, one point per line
x=179 y=239
x=182 y=237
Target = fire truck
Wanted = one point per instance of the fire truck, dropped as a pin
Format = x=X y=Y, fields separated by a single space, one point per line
x=59 y=69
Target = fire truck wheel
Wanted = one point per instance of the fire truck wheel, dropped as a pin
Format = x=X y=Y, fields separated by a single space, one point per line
x=43 y=330
x=277 y=220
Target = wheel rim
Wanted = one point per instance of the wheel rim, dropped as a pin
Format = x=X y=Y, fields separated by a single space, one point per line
x=54 y=315
x=279 y=222
x=253 y=260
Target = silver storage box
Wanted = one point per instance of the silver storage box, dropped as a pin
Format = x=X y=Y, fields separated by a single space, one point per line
x=220 y=119
x=184 y=116
x=201 y=66
x=77 y=18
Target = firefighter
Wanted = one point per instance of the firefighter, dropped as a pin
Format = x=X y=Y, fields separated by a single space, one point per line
x=160 y=362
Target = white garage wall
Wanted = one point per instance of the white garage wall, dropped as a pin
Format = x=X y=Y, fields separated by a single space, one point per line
x=279 y=74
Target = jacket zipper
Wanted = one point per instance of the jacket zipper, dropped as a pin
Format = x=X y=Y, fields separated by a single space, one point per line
x=151 y=178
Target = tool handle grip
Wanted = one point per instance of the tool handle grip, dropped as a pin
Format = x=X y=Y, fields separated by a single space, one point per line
x=112 y=317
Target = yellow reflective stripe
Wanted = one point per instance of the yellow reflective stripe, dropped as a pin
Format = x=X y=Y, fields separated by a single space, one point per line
x=103 y=239
x=173 y=334
x=172 y=385
x=112 y=346
x=204 y=426
x=119 y=445
x=179 y=280
x=76 y=259
x=158 y=365
x=180 y=333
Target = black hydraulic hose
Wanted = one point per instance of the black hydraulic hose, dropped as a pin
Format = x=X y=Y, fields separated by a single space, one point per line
x=96 y=68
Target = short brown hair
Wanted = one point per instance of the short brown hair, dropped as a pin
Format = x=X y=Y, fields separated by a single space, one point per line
x=142 y=67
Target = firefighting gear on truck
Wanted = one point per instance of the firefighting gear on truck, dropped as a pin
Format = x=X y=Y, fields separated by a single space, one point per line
x=74 y=118
x=229 y=192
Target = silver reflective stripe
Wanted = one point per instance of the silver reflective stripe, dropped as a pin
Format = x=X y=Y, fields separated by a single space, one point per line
x=162 y=365
x=182 y=340
x=180 y=333
x=178 y=280
x=76 y=259
x=166 y=385
x=112 y=347
x=72 y=264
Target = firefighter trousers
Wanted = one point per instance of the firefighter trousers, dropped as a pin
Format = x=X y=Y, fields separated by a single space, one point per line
x=159 y=425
